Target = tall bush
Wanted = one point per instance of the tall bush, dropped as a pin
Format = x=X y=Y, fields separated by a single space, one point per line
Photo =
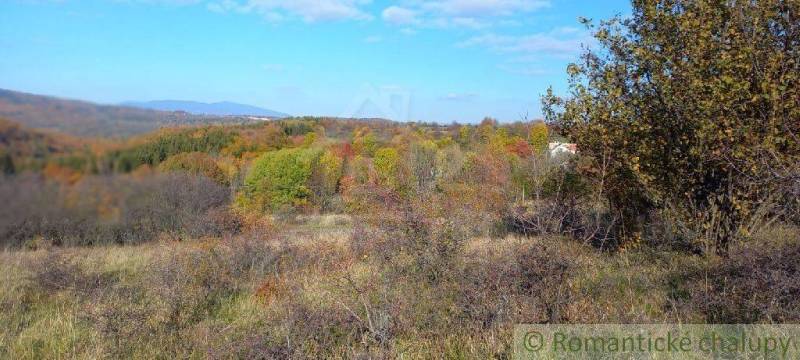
x=387 y=166
x=280 y=178
x=539 y=137
x=196 y=163
x=689 y=106
x=325 y=176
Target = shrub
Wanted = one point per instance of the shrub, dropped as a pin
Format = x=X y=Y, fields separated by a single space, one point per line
x=154 y=151
x=280 y=178
x=364 y=142
x=266 y=136
x=109 y=209
x=670 y=121
x=449 y=165
x=295 y=127
x=7 y=164
x=422 y=162
x=56 y=271
x=388 y=167
x=539 y=137
x=528 y=283
x=195 y=163
x=325 y=178
x=421 y=237
x=180 y=292
x=176 y=204
x=753 y=285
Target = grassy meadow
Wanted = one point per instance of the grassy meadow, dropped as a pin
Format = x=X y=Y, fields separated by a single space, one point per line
x=306 y=289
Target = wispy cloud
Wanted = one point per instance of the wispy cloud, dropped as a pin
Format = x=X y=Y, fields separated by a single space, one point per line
x=147 y=2
x=307 y=10
x=475 y=14
x=561 y=42
x=469 y=22
x=399 y=15
x=525 y=54
x=483 y=8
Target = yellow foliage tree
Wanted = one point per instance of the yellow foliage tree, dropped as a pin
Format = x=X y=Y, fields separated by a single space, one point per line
x=539 y=137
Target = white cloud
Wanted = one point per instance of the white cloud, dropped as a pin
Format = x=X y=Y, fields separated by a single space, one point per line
x=523 y=54
x=469 y=23
x=171 y=2
x=562 y=42
x=483 y=8
x=475 y=14
x=128 y=2
x=399 y=15
x=152 y=2
x=308 y=10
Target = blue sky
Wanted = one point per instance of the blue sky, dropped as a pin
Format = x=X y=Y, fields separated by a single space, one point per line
x=437 y=60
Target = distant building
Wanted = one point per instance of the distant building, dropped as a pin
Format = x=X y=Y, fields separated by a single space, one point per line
x=260 y=118
x=558 y=148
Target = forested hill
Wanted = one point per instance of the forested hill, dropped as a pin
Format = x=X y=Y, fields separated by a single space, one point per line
x=28 y=149
x=94 y=120
x=19 y=141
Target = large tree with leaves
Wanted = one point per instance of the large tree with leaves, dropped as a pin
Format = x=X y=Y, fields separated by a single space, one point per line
x=691 y=107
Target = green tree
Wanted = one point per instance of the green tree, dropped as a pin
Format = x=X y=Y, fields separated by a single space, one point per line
x=464 y=135
x=309 y=139
x=387 y=165
x=208 y=140
x=364 y=142
x=486 y=129
x=280 y=178
x=690 y=106
x=539 y=137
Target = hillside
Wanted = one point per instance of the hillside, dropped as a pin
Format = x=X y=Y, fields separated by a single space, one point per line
x=19 y=141
x=224 y=108
x=325 y=224
x=83 y=118
x=23 y=149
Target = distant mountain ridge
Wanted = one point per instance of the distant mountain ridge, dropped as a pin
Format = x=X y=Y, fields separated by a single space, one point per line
x=225 y=108
x=83 y=118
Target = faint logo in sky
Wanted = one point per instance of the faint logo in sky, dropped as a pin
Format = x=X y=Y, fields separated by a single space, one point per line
x=387 y=102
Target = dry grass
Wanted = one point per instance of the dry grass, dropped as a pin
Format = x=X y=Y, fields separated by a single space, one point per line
x=305 y=293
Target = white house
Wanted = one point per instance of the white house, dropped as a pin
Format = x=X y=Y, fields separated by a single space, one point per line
x=558 y=148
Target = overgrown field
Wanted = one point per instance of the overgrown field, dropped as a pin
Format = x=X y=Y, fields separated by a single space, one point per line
x=677 y=200
x=314 y=289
